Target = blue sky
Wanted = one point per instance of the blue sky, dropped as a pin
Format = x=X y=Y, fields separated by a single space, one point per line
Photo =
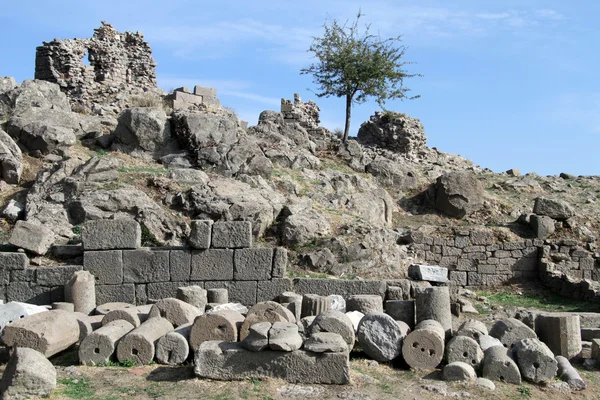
x=507 y=84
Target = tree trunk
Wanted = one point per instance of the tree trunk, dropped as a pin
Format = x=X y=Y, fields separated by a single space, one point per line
x=348 y=114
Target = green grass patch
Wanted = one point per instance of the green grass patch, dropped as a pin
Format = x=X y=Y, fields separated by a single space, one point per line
x=547 y=302
x=77 y=388
x=121 y=364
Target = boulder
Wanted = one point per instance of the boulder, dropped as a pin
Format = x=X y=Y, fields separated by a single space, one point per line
x=7 y=83
x=555 y=209
x=39 y=94
x=284 y=336
x=27 y=374
x=304 y=227
x=46 y=131
x=391 y=173
x=11 y=159
x=258 y=337
x=542 y=226
x=393 y=131
x=335 y=322
x=458 y=194
x=32 y=237
x=144 y=129
x=325 y=342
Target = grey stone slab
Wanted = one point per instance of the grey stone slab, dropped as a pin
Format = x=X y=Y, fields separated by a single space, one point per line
x=56 y=276
x=141 y=294
x=106 y=266
x=13 y=261
x=200 y=235
x=32 y=237
x=163 y=290
x=270 y=290
x=180 y=262
x=280 y=261
x=430 y=273
x=143 y=266
x=239 y=291
x=27 y=293
x=232 y=234
x=230 y=361
x=345 y=288
x=252 y=264
x=212 y=265
x=23 y=275
x=205 y=91
x=115 y=293
x=111 y=234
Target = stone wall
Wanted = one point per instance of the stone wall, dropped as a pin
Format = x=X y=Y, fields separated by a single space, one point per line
x=184 y=99
x=304 y=114
x=117 y=62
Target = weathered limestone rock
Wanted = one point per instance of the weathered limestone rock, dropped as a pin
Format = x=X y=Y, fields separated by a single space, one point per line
x=487 y=341
x=424 y=346
x=111 y=234
x=380 y=337
x=32 y=237
x=284 y=336
x=567 y=373
x=200 y=234
x=325 y=342
x=175 y=311
x=394 y=131
x=258 y=337
x=218 y=296
x=174 y=347
x=464 y=349
x=458 y=194
x=230 y=361
x=27 y=374
x=561 y=332
x=511 y=330
x=266 y=311
x=542 y=226
x=458 y=371
x=99 y=346
x=335 y=322
x=499 y=366
x=535 y=360
x=143 y=129
x=232 y=234
x=472 y=328
x=430 y=273
x=11 y=159
x=355 y=317
x=365 y=303
x=338 y=303
x=81 y=291
x=132 y=315
x=401 y=310
x=105 y=308
x=48 y=332
x=313 y=304
x=485 y=383
x=193 y=295
x=221 y=325
x=434 y=303
x=555 y=209
x=139 y=344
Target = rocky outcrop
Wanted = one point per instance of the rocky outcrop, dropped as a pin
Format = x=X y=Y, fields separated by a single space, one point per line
x=11 y=159
x=458 y=194
x=394 y=131
x=35 y=94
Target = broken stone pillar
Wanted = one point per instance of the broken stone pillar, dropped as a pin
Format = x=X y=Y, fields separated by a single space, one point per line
x=511 y=330
x=131 y=315
x=401 y=310
x=380 y=336
x=313 y=304
x=472 y=328
x=81 y=291
x=365 y=303
x=220 y=325
x=99 y=346
x=434 y=303
x=498 y=365
x=217 y=296
x=535 y=360
x=458 y=371
x=193 y=295
x=49 y=332
x=569 y=374
x=284 y=336
x=464 y=349
x=174 y=347
x=355 y=317
x=176 y=311
x=424 y=346
x=139 y=344
x=292 y=302
x=230 y=361
x=87 y=324
x=266 y=311
x=63 y=305
x=561 y=332
x=28 y=374
x=258 y=337
x=335 y=322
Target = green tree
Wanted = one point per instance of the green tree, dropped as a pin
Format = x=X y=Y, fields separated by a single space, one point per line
x=356 y=64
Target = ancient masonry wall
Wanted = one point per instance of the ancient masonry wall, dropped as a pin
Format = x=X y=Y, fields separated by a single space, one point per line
x=305 y=114
x=116 y=61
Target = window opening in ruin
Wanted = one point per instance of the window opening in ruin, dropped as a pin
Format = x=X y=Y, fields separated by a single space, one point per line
x=86 y=59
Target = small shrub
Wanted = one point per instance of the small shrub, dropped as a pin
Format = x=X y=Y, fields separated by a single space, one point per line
x=148 y=239
x=149 y=100
x=338 y=132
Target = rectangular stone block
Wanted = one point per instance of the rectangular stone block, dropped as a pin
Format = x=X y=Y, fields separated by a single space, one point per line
x=270 y=290
x=13 y=261
x=23 y=275
x=343 y=287
x=430 y=273
x=56 y=276
x=596 y=349
x=474 y=279
x=115 y=293
x=26 y=292
x=561 y=332
x=280 y=261
x=143 y=266
x=67 y=251
x=141 y=294
x=232 y=234
x=106 y=266
x=253 y=264
x=180 y=262
x=587 y=334
x=200 y=235
x=111 y=234
x=458 y=278
x=188 y=98
x=230 y=361
x=183 y=89
x=239 y=291
x=162 y=290
x=212 y=265
x=205 y=91
x=31 y=237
